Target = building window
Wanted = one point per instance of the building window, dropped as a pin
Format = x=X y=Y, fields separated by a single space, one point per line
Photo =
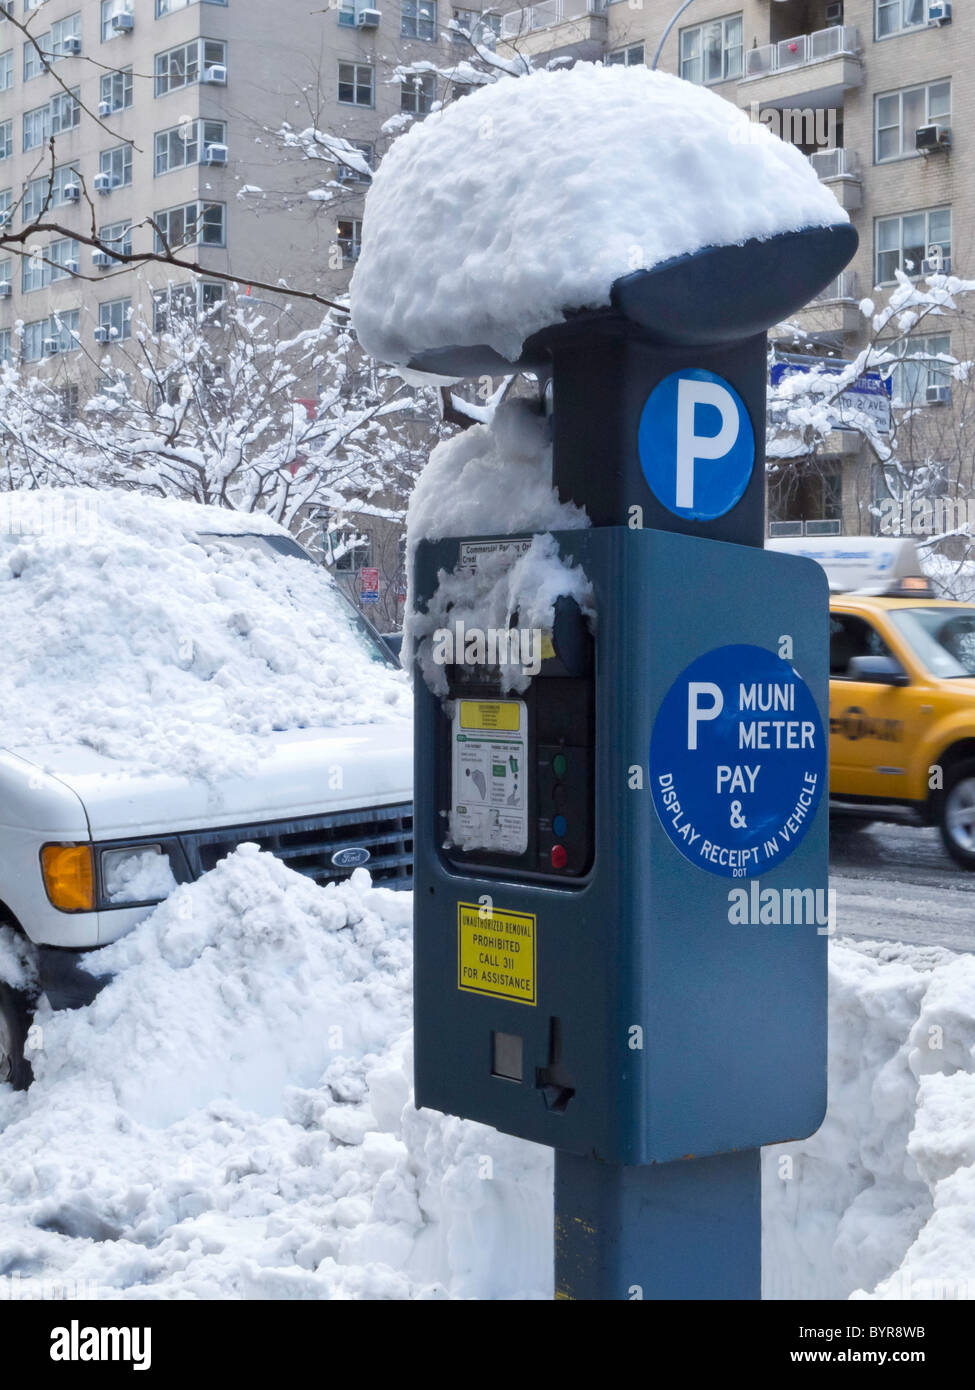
x=37 y=54
x=348 y=548
x=910 y=380
x=346 y=174
x=419 y=19
x=183 y=144
x=193 y=224
x=116 y=316
x=6 y=349
x=59 y=333
x=6 y=271
x=116 y=236
x=711 y=52
x=182 y=66
x=37 y=126
x=349 y=239
x=110 y=8
x=116 y=89
x=902 y=243
x=174 y=302
x=896 y=16
x=69 y=399
x=164 y=7
x=6 y=139
x=482 y=28
x=63 y=32
x=6 y=70
x=65 y=111
x=46 y=192
x=631 y=57
x=347 y=13
x=355 y=84
x=117 y=163
x=899 y=114
x=418 y=92
x=52 y=263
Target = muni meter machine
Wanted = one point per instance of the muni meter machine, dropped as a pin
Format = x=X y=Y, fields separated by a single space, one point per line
x=621 y=870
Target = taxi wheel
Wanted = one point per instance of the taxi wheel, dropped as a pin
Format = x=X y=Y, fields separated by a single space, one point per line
x=956 y=815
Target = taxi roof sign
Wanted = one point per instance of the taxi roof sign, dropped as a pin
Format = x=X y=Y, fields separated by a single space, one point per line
x=881 y=565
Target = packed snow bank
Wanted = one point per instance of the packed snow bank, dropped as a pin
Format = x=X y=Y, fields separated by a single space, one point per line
x=123 y=633
x=494 y=479
x=532 y=195
x=232 y=1117
x=881 y=1201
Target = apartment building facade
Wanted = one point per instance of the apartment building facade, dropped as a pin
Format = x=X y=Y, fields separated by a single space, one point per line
x=878 y=94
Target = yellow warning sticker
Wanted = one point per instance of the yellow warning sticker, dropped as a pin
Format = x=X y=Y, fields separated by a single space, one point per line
x=490 y=714
x=496 y=952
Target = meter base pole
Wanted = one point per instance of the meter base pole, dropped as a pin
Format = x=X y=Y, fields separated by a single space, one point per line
x=690 y=1229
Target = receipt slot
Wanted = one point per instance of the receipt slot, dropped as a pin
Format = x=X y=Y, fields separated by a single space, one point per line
x=620 y=870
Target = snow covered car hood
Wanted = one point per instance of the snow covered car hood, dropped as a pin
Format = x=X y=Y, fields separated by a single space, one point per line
x=303 y=772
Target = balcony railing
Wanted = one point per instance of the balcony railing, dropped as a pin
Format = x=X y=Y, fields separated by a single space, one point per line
x=834 y=164
x=844 y=287
x=801 y=51
x=546 y=15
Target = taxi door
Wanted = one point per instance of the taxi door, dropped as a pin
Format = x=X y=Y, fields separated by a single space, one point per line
x=871 y=726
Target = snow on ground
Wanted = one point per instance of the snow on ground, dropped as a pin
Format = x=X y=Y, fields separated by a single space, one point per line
x=634 y=167
x=123 y=634
x=232 y=1117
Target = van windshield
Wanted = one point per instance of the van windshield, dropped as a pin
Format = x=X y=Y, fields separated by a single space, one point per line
x=943 y=639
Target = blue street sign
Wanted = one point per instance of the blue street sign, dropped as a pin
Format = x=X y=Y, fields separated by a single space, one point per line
x=737 y=761
x=870 y=394
x=696 y=444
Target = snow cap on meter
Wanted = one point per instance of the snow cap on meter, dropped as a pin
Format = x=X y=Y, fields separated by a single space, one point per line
x=595 y=191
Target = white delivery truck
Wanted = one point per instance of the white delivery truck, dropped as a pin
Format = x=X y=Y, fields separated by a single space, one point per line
x=89 y=842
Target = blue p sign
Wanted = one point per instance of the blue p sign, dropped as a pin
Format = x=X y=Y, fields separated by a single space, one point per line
x=696 y=443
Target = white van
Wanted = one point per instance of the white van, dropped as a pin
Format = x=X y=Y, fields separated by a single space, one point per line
x=101 y=811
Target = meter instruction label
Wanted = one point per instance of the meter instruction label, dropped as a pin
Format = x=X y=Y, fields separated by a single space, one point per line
x=489 y=800
x=696 y=444
x=737 y=761
x=496 y=952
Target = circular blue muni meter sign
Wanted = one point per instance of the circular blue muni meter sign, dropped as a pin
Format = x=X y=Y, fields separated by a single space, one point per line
x=696 y=444
x=738 y=761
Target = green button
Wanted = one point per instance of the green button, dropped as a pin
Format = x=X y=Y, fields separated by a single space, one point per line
x=558 y=764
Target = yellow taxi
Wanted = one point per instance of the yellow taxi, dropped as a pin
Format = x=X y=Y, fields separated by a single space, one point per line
x=902 y=688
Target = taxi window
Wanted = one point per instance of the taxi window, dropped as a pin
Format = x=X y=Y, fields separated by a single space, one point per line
x=944 y=638
x=850 y=636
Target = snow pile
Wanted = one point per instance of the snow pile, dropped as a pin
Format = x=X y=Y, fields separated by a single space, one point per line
x=232 y=1117
x=881 y=1201
x=493 y=479
x=125 y=635
x=532 y=195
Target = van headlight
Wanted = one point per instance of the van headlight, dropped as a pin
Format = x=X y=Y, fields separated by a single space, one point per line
x=136 y=874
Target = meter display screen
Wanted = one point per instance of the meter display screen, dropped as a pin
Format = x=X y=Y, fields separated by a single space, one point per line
x=488 y=776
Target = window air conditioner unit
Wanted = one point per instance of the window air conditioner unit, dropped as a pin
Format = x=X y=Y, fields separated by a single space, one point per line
x=72 y=267
x=216 y=75
x=936 y=265
x=938 y=395
x=71 y=193
x=5 y=289
x=215 y=154
x=105 y=108
x=101 y=334
x=122 y=24
x=71 y=47
x=368 y=19
x=51 y=346
x=939 y=12
x=834 y=16
x=101 y=259
x=931 y=138
x=103 y=183
x=6 y=217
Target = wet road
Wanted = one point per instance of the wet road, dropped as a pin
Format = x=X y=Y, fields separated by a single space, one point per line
x=898 y=883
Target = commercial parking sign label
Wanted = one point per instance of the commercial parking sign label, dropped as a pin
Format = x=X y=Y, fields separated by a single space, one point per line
x=737 y=761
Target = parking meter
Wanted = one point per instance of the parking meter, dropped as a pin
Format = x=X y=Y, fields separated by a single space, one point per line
x=621 y=869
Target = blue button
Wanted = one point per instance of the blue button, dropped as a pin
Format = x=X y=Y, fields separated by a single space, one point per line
x=558 y=825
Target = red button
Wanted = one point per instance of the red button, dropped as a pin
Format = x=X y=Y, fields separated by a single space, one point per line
x=559 y=856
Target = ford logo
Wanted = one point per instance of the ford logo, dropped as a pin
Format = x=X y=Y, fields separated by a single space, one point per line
x=351 y=858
